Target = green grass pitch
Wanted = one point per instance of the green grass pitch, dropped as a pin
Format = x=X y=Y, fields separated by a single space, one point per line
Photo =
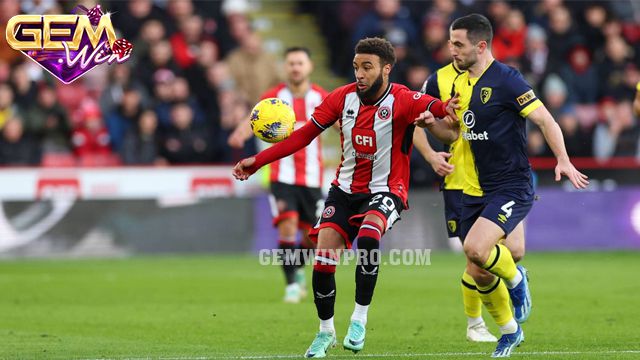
x=585 y=306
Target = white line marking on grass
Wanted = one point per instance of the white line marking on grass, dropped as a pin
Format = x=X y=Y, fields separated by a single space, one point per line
x=387 y=355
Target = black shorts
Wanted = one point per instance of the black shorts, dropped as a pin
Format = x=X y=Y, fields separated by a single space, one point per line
x=344 y=212
x=294 y=201
x=505 y=207
x=452 y=211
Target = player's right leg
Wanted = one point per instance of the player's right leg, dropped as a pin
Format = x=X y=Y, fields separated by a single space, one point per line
x=330 y=242
x=477 y=330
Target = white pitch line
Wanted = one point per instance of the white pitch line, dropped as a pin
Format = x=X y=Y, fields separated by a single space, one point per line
x=387 y=355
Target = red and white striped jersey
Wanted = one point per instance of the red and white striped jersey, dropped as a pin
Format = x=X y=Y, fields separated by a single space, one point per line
x=376 y=139
x=303 y=168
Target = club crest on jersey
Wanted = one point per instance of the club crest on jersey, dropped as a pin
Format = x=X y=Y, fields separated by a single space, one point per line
x=328 y=212
x=384 y=113
x=417 y=96
x=485 y=94
x=452 y=225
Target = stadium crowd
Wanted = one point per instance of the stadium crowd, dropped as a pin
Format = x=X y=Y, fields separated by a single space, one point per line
x=198 y=66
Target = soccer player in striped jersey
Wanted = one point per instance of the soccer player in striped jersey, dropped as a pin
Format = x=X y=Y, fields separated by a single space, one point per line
x=370 y=190
x=495 y=102
x=296 y=180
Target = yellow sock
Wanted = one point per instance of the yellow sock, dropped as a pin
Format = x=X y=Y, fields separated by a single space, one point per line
x=495 y=298
x=470 y=297
x=500 y=263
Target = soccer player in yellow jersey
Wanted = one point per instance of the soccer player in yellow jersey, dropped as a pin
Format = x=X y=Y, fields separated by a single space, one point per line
x=495 y=101
x=449 y=165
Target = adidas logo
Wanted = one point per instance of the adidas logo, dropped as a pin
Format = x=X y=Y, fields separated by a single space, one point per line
x=322 y=296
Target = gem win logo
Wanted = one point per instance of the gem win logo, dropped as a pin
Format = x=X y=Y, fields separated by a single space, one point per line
x=68 y=46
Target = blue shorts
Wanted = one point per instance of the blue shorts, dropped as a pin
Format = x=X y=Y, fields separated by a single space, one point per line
x=505 y=207
x=452 y=211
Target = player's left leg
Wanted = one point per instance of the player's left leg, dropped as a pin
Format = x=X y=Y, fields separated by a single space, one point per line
x=310 y=205
x=378 y=215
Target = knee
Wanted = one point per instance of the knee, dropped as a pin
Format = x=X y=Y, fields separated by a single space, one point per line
x=474 y=253
x=517 y=254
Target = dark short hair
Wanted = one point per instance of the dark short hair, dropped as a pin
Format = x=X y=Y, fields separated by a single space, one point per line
x=303 y=49
x=377 y=46
x=478 y=28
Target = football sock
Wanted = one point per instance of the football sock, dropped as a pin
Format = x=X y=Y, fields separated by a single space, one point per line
x=500 y=263
x=495 y=298
x=360 y=313
x=324 y=283
x=473 y=321
x=327 y=325
x=287 y=259
x=509 y=328
x=470 y=297
x=368 y=261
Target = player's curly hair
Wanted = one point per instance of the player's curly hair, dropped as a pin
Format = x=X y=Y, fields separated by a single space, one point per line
x=478 y=28
x=377 y=46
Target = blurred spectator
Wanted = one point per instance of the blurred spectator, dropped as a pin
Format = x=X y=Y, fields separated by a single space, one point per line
x=16 y=148
x=38 y=7
x=510 y=35
x=24 y=88
x=388 y=17
x=536 y=145
x=91 y=139
x=152 y=31
x=187 y=42
x=160 y=58
x=577 y=139
x=555 y=95
x=435 y=38
x=133 y=14
x=595 y=17
x=142 y=143
x=47 y=122
x=580 y=76
x=120 y=78
x=204 y=92
x=562 y=37
x=182 y=93
x=163 y=92
x=186 y=142
x=534 y=62
x=616 y=70
x=124 y=117
x=253 y=70
x=619 y=132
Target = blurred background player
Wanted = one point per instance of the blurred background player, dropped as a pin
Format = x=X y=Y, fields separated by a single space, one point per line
x=450 y=166
x=498 y=193
x=372 y=181
x=296 y=180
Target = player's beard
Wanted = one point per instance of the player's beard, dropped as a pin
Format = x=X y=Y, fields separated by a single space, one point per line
x=465 y=65
x=367 y=95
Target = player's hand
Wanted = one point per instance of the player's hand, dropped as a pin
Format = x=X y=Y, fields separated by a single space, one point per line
x=424 y=119
x=439 y=163
x=452 y=106
x=453 y=123
x=240 y=170
x=566 y=168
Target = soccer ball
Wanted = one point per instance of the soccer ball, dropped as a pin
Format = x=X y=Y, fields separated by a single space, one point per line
x=272 y=120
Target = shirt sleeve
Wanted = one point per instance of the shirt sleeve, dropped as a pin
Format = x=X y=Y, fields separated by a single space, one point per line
x=521 y=97
x=418 y=102
x=329 y=110
x=431 y=87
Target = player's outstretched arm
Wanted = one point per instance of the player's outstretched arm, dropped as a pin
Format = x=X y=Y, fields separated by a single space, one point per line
x=445 y=130
x=437 y=160
x=240 y=134
x=299 y=139
x=553 y=135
